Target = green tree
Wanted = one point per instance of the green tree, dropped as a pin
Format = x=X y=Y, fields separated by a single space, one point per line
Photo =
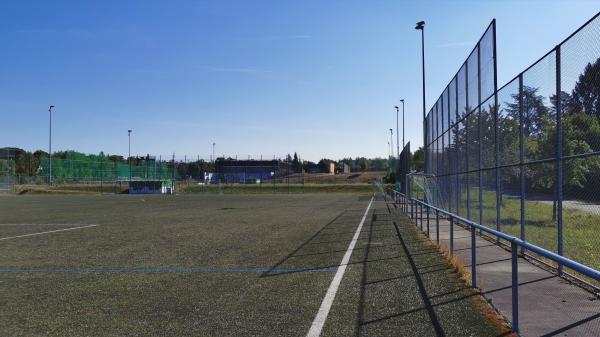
x=296 y=163
x=390 y=177
x=27 y=164
x=417 y=160
x=364 y=164
x=116 y=158
x=40 y=154
x=586 y=93
x=324 y=165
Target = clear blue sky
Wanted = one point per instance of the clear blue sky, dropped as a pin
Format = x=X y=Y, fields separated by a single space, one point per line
x=256 y=77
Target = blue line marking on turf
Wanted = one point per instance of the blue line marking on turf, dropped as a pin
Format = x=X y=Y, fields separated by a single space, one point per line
x=168 y=270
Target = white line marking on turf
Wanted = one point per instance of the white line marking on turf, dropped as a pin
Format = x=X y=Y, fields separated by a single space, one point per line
x=319 y=321
x=40 y=224
x=40 y=233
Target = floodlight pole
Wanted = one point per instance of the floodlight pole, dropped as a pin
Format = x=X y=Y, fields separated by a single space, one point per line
x=392 y=142
x=397 y=135
x=129 y=152
x=50 y=146
x=402 y=100
x=388 y=150
x=421 y=26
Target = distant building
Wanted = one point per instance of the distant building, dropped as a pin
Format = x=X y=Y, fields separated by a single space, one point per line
x=151 y=187
x=331 y=168
x=312 y=168
x=346 y=168
x=249 y=171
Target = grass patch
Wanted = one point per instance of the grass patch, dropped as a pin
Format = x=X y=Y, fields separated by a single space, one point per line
x=224 y=234
x=274 y=188
x=183 y=188
x=580 y=228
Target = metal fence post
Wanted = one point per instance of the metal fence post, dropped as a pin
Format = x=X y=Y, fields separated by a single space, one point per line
x=522 y=159
x=559 y=163
x=458 y=181
x=427 y=208
x=515 y=287
x=418 y=214
x=451 y=235
x=401 y=202
x=496 y=133
x=473 y=259
x=421 y=216
x=437 y=226
x=413 y=210
x=467 y=139
x=479 y=132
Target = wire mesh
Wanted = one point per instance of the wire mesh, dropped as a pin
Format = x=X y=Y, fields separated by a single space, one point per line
x=527 y=159
x=7 y=170
x=509 y=123
x=538 y=110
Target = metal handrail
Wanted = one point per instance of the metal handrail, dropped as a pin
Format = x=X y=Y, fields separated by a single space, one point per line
x=581 y=268
x=514 y=243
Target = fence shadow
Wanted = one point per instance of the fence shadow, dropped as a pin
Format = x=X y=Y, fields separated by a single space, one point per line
x=417 y=293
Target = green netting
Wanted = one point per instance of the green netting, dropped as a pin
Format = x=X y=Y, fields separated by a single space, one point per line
x=106 y=169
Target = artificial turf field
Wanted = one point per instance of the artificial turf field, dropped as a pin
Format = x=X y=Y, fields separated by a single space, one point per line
x=222 y=265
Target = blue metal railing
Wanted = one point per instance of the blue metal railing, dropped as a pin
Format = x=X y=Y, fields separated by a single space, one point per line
x=416 y=206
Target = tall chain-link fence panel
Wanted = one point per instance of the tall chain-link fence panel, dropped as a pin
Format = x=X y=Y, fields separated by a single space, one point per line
x=403 y=169
x=524 y=158
x=7 y=170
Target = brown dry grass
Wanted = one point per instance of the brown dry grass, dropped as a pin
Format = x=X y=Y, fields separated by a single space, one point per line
x=457 y=266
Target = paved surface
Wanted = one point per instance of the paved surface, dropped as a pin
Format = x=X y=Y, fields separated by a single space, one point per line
x=548 y=305
x=578 y=205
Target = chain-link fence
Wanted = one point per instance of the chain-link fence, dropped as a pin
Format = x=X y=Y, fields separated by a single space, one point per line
x=524 y=159
x=403 y=169
x=74 y=171
x=7 y=170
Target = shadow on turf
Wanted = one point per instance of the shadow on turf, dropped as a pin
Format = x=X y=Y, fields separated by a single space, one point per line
x=329 y=253
x=362 y=322
x=314 y=240
x=425 y=302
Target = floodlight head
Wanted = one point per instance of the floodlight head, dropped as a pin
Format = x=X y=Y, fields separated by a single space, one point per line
x=420 y=25
x=51 y=107
x=402 y=100
x=129 y=131
x=395 y=106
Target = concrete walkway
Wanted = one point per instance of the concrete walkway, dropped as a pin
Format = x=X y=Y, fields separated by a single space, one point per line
x=548 y=304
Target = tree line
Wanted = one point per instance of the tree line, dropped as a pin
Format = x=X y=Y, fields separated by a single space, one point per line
x=71 y=164
x=580 y=121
